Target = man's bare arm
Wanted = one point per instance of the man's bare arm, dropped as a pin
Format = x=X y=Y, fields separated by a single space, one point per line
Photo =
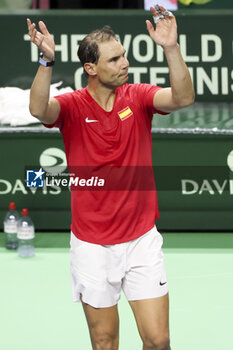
x=41 y=106
x=181 y=92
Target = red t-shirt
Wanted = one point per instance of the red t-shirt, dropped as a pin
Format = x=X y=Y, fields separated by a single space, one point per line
x=117 y=147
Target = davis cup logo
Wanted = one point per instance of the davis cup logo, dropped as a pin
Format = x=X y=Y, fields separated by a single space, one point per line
x=230 y=160
x=53 y=160
x=210 y=185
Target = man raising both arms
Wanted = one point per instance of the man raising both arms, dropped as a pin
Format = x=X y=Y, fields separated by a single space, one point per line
x=114 y=242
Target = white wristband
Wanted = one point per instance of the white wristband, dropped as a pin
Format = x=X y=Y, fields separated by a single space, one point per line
x=45 y=63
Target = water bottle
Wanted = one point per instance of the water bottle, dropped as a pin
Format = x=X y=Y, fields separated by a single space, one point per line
x=25 y=235
x=10 y=227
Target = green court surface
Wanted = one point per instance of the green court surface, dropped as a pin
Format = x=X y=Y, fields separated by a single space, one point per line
x=37 y=312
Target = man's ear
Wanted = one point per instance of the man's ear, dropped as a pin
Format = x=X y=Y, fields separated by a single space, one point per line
x=90 y=68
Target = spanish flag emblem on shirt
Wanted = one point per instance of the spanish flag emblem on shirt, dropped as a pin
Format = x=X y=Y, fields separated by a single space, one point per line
x=125 y=113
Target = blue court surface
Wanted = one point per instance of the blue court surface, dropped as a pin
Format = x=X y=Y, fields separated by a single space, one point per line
x=37 y=311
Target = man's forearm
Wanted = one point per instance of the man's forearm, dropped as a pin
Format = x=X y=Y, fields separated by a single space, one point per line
x=180 y=80
x=39 y=94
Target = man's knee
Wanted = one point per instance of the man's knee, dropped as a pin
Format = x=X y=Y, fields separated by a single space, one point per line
x=105 y=344
x=105 y=341
x=161 y=342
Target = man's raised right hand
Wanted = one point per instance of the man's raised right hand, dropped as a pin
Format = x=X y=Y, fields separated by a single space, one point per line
x=43 y=39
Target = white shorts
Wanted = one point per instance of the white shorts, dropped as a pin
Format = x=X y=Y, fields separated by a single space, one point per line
x=99 y=272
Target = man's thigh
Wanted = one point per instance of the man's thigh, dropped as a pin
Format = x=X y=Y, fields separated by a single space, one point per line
x=103 y=324
x=152 y=317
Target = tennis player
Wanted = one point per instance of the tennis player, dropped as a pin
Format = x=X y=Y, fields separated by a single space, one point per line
x=114 y=241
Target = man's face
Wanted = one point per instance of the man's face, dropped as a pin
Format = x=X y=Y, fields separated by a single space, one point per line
x=112 y=66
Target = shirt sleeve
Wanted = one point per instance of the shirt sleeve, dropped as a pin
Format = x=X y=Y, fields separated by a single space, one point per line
x=146 y=94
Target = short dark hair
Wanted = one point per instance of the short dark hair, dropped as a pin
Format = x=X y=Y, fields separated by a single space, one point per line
x=89 y=50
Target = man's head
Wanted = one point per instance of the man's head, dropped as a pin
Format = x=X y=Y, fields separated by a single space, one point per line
x=89 y=50
x=103 y=56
